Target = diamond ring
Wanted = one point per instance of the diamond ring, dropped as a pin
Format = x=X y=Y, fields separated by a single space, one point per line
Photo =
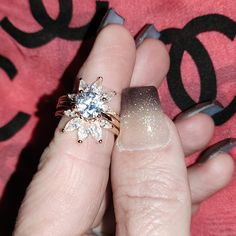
x=89 y=111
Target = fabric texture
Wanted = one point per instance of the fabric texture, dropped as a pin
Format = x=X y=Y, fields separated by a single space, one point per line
x=42 y=46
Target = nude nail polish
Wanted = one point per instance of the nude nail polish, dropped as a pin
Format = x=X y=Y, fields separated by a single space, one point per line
x=143 y=124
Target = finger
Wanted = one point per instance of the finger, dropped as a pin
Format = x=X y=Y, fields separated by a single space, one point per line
x=149 y=179
x=147 y=57
x=207 y=179
x=65 y=194
x=195 y=132
x=196 y=127
x=152 y=59
x=151 y=66
x=214 y=172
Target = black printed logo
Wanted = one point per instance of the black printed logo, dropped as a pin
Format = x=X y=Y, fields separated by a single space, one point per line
x=185 y=40
x=53 y=28
x=21 y=118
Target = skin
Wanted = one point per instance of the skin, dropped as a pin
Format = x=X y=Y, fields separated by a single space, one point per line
x=70 y=192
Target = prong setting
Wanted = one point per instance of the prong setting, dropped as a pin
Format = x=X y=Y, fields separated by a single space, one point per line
x=89 y=111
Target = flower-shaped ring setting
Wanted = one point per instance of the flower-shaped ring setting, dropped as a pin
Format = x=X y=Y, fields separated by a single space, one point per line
x=89 y=111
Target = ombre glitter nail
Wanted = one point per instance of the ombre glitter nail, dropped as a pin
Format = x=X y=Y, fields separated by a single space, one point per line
x=143 y=124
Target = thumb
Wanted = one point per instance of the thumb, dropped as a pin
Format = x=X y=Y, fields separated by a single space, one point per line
x=149 y=178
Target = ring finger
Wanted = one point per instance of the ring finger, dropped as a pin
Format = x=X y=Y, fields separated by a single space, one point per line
x=72 y=177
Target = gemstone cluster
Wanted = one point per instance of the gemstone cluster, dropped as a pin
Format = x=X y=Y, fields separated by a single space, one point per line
x=88 y=107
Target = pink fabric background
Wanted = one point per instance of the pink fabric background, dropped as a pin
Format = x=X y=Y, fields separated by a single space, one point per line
x=39 y=71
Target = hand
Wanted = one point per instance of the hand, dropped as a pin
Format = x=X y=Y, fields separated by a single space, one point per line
x=153 y=192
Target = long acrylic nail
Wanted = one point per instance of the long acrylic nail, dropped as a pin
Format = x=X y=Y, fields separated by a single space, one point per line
x=143 y=125
x=111 y=17
x=223 y=146
x=209 y=108
x=149 y=31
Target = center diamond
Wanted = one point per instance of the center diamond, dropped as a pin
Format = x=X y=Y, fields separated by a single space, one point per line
x=89 y=104
x=86 y=110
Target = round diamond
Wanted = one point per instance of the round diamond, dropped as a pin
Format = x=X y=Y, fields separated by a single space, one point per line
x=89 y=104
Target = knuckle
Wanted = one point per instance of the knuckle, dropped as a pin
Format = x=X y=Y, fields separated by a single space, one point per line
x=151 y=201
x=154 y=183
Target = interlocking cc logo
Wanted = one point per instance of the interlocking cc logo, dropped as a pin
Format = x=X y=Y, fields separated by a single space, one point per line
x=185 y=40
x=51 y=28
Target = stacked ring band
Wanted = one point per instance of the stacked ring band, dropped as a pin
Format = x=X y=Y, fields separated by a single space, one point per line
x=89 y=111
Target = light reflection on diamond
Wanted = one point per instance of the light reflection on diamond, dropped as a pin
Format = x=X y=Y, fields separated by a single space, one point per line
x=83 y=133
x=105 y=124
x=73 y=124
x=95 y=130
x=90 y=103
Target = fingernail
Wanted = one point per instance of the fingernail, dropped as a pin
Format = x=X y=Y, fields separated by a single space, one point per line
x=143 y=124
x=210 y=108
x=223 y=146
x=149 y=31
x=111 y=17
